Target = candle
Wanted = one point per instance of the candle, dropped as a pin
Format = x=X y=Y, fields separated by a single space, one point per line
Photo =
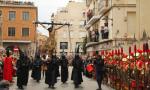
x=118 y=51
x=121 y=50
x=135 y=48
x=115 y=52
x=147 y=47
x=112 y=52
x=143 y=47
x=129 y=50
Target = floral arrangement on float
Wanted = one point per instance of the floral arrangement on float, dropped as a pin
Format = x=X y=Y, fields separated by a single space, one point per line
x=128 y=71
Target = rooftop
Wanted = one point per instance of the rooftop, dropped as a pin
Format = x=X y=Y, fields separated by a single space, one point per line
x=17 y=3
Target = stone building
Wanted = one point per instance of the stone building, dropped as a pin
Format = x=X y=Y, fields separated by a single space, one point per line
x=68 y=38
x=115 y=22
x=17 y=28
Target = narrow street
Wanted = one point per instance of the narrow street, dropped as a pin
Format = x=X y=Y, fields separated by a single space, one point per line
x=88 y=84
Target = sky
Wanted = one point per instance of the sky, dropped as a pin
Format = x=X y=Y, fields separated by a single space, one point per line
x=45 y=9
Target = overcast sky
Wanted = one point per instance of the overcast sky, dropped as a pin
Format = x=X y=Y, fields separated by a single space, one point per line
x=46 y=8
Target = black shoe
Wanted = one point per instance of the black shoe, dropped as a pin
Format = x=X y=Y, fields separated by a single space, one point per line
x=25 y=84
x=63 y=82
x=99 y=89
x=38 y=81
x=76 y=86
x=49 y=86
x=52 y=87
x=20 y=87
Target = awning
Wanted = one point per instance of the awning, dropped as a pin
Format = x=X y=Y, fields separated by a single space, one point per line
x=91 y=21
x=16 y=41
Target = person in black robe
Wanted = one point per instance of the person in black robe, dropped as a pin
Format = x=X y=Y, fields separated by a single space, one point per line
x=51 y=75
x=99 y=67
x=36 y=71
x=22 y=70
x=26 y=70
x=64 y=69
x=55 y=58
x=77 y=71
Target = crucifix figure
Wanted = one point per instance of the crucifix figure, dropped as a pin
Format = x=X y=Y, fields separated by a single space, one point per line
x=50 y=44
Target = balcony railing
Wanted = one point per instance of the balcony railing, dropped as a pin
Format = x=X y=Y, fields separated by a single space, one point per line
x=97 y=36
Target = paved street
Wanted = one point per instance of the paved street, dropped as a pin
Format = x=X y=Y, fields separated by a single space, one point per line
x=88 y=84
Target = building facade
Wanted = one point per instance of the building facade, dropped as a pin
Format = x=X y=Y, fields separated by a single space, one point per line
x=17 y=26
x=114 y=21
x=143 y=16
x=68 y=37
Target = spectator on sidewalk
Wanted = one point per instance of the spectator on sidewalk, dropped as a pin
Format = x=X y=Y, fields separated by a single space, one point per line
x=8 y=67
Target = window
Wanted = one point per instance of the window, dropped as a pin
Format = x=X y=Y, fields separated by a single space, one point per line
x=0 y=23
x=64 y=10
x=0 y=13
x=25 y=31
x=0 y=18
x=0 y=33
x=63 y=45
x=25 y=16
x=11 y=31
x=12 y=15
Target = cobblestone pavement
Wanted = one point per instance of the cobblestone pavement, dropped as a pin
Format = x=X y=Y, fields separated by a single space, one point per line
x=88 y=84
